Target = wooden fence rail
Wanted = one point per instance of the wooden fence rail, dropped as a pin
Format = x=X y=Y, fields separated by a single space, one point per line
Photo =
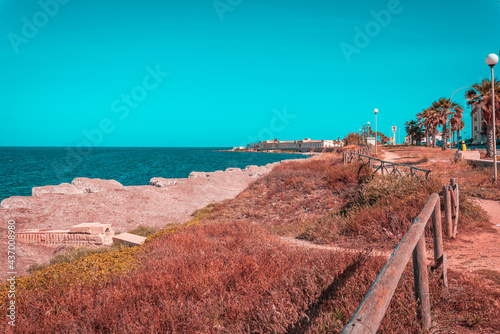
x=372 y=309
x=385 y=167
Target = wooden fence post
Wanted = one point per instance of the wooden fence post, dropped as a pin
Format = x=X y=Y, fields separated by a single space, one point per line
x=421 y=282
x=437 y=233
x=447 y=211
x=456 y=205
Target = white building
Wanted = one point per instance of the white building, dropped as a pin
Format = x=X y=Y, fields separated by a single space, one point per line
x=477 y=126
x=301 y=145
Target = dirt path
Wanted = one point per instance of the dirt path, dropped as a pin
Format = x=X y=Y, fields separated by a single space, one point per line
x=390 y=156
x=479 y=250
x=308 y=244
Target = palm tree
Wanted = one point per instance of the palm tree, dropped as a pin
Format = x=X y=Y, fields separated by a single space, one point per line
x=457 y=124
x=427 y=119
x=480 y=99
x=413 y=130
x=445 y=109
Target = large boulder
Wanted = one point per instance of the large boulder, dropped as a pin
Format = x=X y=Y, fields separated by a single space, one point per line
x=80 y=185
x=161 y=182
x=95 y=185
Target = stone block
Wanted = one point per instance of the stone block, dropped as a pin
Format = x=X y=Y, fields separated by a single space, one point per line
x=92 y=228
x=130 y=239
x=467 y=155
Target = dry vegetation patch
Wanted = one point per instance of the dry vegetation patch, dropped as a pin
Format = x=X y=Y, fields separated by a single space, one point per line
x=294 y=194
x=231 y=277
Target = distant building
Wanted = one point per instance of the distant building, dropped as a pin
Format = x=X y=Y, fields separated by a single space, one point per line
x=298 y=145
x=477 y=122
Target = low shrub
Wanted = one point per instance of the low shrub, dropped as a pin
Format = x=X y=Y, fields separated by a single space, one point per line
x=71 y=254
x=143 y=231
x=77 y=268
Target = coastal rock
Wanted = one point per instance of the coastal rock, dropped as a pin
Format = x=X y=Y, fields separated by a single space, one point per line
x=255 y=171
x=80 y=185
x=63 y=188
x=16 y=202
x=194 y=175
x=233 y=170
x=95 y=185
x=161 y=182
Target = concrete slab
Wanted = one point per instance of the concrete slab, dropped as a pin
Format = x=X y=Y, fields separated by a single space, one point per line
x=468 y=155
x=130 y=239
x=92 y=228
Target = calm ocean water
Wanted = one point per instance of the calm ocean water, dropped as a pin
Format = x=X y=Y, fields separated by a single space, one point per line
x=25 y=167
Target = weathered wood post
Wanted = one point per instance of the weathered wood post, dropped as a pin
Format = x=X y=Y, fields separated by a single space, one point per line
x=421 y=282
x=447 y=211
x=437 y=235
x=456 y=205
x=382 y=167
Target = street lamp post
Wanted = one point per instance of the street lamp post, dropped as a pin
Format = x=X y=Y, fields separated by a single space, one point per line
x=376 y=133
x=367 y=132
x=492 y=60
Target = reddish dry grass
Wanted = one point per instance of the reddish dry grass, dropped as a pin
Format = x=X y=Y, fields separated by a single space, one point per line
x=295 y=193
x=230 y=278
x=472 y=304
x=227 y=278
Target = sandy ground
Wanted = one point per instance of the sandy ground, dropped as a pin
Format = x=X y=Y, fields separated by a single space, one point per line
x=390 y=156
x=471 y=252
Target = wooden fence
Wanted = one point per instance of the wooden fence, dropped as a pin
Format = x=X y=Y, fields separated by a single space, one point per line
x=372 y=309
x=451 y=208
x=385 y=167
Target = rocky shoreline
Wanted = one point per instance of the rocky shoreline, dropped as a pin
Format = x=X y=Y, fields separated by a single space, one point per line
x=162 y=202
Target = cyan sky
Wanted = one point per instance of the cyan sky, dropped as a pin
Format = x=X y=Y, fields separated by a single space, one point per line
x=223 y=73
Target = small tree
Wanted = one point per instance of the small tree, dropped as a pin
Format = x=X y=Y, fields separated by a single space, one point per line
x=352 y=138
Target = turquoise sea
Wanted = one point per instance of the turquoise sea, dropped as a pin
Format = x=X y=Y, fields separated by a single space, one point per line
x=22 y=168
